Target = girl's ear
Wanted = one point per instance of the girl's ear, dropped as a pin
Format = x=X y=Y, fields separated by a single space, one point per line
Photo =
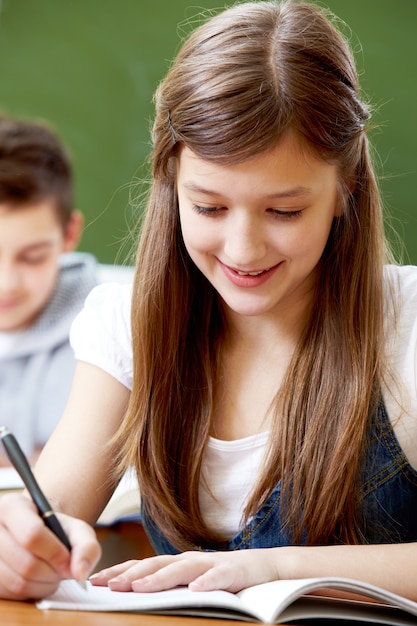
x=72 y=234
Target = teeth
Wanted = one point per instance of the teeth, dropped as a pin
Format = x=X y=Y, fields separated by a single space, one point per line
x=251 y=273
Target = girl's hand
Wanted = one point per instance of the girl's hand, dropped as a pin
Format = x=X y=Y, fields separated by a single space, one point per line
x=32 y=559
x=201 y=571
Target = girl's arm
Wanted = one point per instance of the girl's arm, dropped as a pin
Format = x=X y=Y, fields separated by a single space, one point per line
x=74 y=468
x=73 y=471
x=392 y=566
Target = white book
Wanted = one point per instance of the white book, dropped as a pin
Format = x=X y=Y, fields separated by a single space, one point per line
x=124 y=504
x=10 y=480
x=269 y=603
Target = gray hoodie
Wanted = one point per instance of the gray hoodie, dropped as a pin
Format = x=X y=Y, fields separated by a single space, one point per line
x=37 y=366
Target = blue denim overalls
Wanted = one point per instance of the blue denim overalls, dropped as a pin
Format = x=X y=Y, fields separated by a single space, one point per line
x=389 y=486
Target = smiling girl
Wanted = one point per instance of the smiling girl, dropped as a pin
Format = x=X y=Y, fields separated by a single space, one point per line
x=260 y=375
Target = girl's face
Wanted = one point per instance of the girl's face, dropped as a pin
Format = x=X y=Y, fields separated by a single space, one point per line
x=257 y=229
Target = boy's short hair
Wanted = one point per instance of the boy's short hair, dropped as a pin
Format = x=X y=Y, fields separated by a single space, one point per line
x=34 y=166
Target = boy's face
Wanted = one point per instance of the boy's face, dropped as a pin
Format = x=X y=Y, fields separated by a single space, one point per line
x=31 y=241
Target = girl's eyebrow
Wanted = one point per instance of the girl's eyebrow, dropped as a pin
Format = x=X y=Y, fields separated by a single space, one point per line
x=294 y=192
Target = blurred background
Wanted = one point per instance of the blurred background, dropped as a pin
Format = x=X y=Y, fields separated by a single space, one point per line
x=90 y=67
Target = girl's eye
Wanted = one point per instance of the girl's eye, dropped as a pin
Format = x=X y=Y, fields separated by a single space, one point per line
x=286 y=215
x=213 y=211
x=207 y=210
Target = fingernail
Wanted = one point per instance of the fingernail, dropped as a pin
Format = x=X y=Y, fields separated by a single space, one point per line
x=83 y=570
x=140 y=582
x=82 y=584
x=117 y=579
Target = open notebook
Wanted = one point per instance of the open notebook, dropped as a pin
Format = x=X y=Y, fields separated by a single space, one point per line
x=278 y=601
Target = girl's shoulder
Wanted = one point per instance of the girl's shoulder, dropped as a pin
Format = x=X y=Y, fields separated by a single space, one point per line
x=400 y=316
x=401 y=282
x=399 y=384
x=110 y=300
x=108 y=305
x=101 y=333
x=401 y=272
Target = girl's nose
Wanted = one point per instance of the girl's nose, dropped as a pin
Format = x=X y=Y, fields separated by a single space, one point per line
x=245 y=244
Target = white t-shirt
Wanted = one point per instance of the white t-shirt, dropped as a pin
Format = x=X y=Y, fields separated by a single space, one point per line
x=101 y=335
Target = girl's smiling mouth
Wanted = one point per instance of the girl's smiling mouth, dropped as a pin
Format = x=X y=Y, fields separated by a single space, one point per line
x=256 y=273
x=253 y=278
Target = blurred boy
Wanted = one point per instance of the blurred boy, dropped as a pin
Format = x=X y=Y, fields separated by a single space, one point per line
x=43 y=283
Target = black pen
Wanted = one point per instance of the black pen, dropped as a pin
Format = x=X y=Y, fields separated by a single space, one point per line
x=21 y=465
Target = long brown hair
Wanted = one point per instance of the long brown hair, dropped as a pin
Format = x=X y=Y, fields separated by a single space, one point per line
x=240 y=82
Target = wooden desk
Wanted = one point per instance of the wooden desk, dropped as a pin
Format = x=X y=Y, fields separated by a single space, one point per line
x=26 y=614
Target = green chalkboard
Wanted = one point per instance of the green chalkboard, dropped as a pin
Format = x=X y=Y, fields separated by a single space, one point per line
x=90 y=67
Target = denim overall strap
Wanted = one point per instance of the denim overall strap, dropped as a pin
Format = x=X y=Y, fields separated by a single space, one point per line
x=388 y=509
x=389 y=487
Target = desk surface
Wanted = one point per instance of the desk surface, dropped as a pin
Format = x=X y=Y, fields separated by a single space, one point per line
x=26 y=614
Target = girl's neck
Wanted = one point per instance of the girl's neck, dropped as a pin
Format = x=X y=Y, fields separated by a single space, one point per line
x=254 y=360
x=283 y=327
